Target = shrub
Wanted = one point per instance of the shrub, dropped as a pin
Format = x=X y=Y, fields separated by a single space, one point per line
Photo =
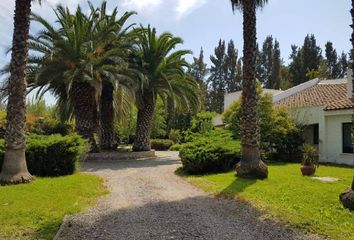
x=53 y=155
x=280 y=138
x=40 y=125
x=44 y=126
x=161 y=144
x=202 y=122
x=176 y=147
x=211 y=153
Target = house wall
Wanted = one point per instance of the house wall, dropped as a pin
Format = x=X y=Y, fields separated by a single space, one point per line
x=334 y=146
x=312 y=115
x=330 y=131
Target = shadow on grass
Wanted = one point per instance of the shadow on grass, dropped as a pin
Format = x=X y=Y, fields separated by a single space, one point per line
x=238 y=185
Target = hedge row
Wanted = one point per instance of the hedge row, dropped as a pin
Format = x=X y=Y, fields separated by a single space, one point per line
x=53 y=155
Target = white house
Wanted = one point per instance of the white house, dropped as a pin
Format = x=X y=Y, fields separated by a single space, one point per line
x=325 y=108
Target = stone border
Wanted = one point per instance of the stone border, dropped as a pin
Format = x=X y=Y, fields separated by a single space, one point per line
x=117 y=156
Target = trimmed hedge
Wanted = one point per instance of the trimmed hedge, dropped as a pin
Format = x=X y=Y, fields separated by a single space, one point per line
x=212 y=153
x=50 y=156
x=161 y=144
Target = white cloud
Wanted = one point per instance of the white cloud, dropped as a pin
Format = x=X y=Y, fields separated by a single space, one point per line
x=146 y=5
x=185 y=7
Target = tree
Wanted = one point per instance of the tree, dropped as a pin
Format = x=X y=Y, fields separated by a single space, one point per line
x=14 y=169
x=270 y=64
x=119 y=40
x=217 y=79
x=164 y=76
x=233 y=69
x=199 y=70
x=333 y=66
x=73 y=61
x=304 y=60
x=347 y=197
x=343 y=65
x=251 y=164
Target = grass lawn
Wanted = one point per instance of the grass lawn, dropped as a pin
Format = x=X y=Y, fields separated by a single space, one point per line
x=300 y=201
x=35 y=211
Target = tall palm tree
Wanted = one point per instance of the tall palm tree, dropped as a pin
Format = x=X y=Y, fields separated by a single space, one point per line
x=250 y=164
x=164 y=73
x=119 y=39
x=77 y=62
x=14 y=169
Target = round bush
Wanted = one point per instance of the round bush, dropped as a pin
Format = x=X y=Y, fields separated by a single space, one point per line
x=206 y=156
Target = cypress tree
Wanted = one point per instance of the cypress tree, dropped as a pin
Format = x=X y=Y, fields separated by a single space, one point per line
x=333 y=67
x=199 y=70
x=217 y=79
x=232 y=69
x=305 y=60
x=270 y=64
x=343 y=65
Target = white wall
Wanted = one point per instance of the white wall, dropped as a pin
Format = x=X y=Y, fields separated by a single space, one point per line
x=312 y=115
x=334 y=139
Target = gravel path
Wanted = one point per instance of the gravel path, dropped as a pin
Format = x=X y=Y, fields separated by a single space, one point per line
x=148 y=201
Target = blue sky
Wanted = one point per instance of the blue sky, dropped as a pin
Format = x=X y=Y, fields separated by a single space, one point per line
x=201 y=23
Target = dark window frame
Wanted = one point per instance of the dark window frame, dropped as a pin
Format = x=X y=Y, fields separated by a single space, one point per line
x=346 y=149
x=316 y=134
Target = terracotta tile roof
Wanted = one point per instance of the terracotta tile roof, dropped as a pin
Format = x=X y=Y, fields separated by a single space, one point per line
x=328 y=96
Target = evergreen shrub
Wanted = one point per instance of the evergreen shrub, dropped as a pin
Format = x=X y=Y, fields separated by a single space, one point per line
x=50 y=156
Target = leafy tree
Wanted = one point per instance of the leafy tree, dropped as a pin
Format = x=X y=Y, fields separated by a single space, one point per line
x=250 y=164
x=217 y=79
x=164 y=76
x=14 y=168
x=279 y=136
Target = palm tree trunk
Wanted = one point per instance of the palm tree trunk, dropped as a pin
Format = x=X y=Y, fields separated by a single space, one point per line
x=250 y=164
x=144 y=124
x=108 y=138
x=85 y=111
x=352 y=99
x=171 y=115
x=14 y=169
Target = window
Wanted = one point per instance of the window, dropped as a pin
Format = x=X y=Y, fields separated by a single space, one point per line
x=315 y=134
x=347 y=138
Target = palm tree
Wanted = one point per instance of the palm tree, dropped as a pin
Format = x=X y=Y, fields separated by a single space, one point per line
x=164 y=73
x=352 y=41
x=250 y=164
x=347 y=197
x=119 y=39
x=75 y=60
x=14 y=169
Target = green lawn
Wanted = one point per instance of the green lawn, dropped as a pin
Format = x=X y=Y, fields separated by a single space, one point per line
x=35 y=211
x=301 y=201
